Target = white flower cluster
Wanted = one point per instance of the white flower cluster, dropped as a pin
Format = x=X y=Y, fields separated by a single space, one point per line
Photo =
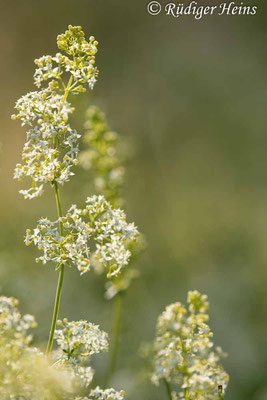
x=51 y=148
x=78 y=341
x=123 y=281
x=101 y=156
x=106 y=394
x=12 y=323
x=25 y=373
x=97 y=225
x=184 y=353
x=80 y=66
x=83 y=53
x=46 y=69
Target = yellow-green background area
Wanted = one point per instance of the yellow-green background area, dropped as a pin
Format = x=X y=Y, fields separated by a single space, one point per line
x=191 y=98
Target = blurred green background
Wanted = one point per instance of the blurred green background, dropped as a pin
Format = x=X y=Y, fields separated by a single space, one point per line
x=190 y=96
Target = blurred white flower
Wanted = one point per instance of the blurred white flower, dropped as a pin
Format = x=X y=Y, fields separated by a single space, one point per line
x=184 y=353
x=106 y=394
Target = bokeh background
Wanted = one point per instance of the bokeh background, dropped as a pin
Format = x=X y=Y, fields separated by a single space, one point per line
x=190 y=97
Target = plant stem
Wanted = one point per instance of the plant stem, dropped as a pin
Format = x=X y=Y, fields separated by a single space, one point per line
x=56 y=309
x=67 y=89
x=115 y=333
x=61 y=231
x=60 y=278
x=220 y=392
x=168 y=388
x=186 y=394
x=59 y=210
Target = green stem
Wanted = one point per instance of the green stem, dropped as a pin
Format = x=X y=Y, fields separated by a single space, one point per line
x=220 y=392
x=67 y=89
x=61 y=231
x=56 y=309
x=168 y=388
x=115 y=333
x=186 y=394
x=60 y=278
x=59 y=210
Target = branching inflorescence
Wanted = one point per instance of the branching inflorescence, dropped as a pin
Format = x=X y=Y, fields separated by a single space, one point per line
x=99 y=224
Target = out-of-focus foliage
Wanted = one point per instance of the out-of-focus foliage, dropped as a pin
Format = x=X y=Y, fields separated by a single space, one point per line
x=100 y=157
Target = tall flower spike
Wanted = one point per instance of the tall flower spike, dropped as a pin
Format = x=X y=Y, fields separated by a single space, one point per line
x=98 y=225
x=101 y=156
x=51 y=148
x=184 y=354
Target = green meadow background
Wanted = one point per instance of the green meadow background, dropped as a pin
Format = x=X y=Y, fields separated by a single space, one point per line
x=190 y=97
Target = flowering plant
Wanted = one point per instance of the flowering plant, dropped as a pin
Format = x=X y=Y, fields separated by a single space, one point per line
x=96 y=233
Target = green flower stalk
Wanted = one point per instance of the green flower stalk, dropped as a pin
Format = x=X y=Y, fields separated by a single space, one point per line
x=220 y=392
